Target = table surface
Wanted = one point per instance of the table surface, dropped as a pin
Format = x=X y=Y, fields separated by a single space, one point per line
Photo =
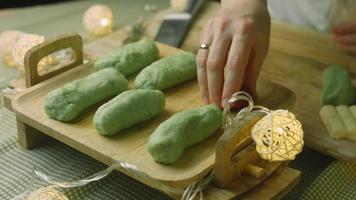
x=66 y=17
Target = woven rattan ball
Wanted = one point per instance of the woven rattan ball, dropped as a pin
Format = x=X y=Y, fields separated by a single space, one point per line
x=98 y=20
x=46 y=193
x=8 y=40
x=278 y=136
x=22 y=46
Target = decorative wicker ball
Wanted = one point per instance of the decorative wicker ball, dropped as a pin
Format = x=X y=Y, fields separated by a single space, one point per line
x=98 y=20
x=25 y=43
x=278 y=136
x=8 y=39
x=46 y=193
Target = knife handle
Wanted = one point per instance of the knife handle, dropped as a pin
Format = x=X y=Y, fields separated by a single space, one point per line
x=193 y=6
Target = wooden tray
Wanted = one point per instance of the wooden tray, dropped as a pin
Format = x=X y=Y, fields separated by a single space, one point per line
x=129 y=145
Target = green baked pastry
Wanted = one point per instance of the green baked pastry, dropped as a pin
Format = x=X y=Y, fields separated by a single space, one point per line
x=167 y=72
x=167 y=143
x=337 y=88
x=127 y=109
x=66 y=103
x=130 y=58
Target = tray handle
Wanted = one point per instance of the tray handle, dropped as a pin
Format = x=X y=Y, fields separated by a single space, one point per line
x=235 y=153
x=35 y=54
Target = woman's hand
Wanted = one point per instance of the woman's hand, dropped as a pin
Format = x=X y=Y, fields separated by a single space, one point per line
x=238 y=39
x=345 y=35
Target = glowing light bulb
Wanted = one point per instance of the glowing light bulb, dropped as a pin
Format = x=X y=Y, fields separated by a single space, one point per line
x=104 y=22
x=22 y=46
x=98 y=20
x=46 y=193
x=278 y=136
x=8 y=39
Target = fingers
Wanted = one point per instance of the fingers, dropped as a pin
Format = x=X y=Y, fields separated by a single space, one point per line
x=202 y=79
x=225 y=67
x=215 y=67
x=344 y=28
x=252 y=72
x=202 y=55
x=236 y=65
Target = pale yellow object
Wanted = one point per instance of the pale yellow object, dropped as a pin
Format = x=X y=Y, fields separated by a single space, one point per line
x=348 y=119
x=98 y=20
x=278 y=136
x=339 y=121
x=333 y=122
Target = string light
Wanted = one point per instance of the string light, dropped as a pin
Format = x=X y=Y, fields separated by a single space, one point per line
x=46 y=193
x=22 y=46
x=98 y=20
x=8 y=39
x=278 y=136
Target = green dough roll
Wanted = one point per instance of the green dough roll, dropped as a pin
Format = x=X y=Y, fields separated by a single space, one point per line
x=167 y=72
x=66 y=103
x=337 y=88
x=168 y=142
x=127 y=109
x=130 y=58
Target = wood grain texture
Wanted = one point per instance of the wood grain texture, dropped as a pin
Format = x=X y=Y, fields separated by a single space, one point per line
x=227 y=169
x=28 y=137
x=129 y=145
x=275 y=187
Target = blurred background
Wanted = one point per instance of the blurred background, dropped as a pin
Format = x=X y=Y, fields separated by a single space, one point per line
x=57 y=17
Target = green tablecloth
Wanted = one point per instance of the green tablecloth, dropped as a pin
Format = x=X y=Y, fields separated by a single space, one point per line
x=62 y=163
x=322 y=177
